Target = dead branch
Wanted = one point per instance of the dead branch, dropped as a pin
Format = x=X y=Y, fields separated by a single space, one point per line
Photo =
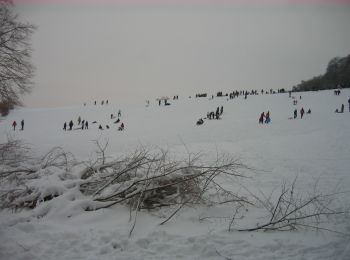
x=292 y=210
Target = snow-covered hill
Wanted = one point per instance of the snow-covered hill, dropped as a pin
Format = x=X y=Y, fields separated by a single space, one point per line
x=315 y=149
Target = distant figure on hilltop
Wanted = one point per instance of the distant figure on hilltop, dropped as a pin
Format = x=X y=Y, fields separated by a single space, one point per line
x=22 y=125
x=14 y=124
x=349 y=104
x=261 y=118
x=65 y=126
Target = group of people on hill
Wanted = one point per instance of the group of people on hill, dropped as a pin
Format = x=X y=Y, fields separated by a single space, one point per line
x=219 y=111
x=166 y=103
x=337 y=92
x=302 y=112
x=84 y=124
x=102 y=102
x=342 y=106
x=212 y=115
x=14 y=124
x=266 y=116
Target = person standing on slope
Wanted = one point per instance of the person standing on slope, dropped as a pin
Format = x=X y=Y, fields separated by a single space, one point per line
x=22 y=125
x=14 y=124
x=70 y=125
x=302 y=112
x=261 y=118
x=267 y=117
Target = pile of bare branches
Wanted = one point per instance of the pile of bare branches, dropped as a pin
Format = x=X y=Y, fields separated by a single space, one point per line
x=146 y=180
x=18 y=167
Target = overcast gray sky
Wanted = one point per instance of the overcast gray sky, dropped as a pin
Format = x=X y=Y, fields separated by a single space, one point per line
x=130 y=53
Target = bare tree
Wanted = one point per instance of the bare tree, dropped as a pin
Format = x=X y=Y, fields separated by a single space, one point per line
x=16 y=70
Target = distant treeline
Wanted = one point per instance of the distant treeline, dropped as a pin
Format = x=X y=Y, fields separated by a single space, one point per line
x=336 y=76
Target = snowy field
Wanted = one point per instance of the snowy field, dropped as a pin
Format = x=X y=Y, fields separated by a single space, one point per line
x=315 y=150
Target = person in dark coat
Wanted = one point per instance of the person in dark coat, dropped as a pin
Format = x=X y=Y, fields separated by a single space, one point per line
x=65 y=126
x=121 y=127
x=86 y=125
x=342 y=108
x=261 y=118
x=302 y=112
x=295 y=113
x=100 y=127
x=22 y=125
x=349 y=104
x=14 y=124
x=267 y=117
x=222 y=110
x=71 y=125
x=309 y=111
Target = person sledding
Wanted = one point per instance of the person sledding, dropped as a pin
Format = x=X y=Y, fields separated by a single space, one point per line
x=200 y=122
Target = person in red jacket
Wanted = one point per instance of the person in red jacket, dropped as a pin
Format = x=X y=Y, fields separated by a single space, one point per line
x=14 y=124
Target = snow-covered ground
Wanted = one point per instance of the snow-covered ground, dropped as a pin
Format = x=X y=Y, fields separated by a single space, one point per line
x=315 y=149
